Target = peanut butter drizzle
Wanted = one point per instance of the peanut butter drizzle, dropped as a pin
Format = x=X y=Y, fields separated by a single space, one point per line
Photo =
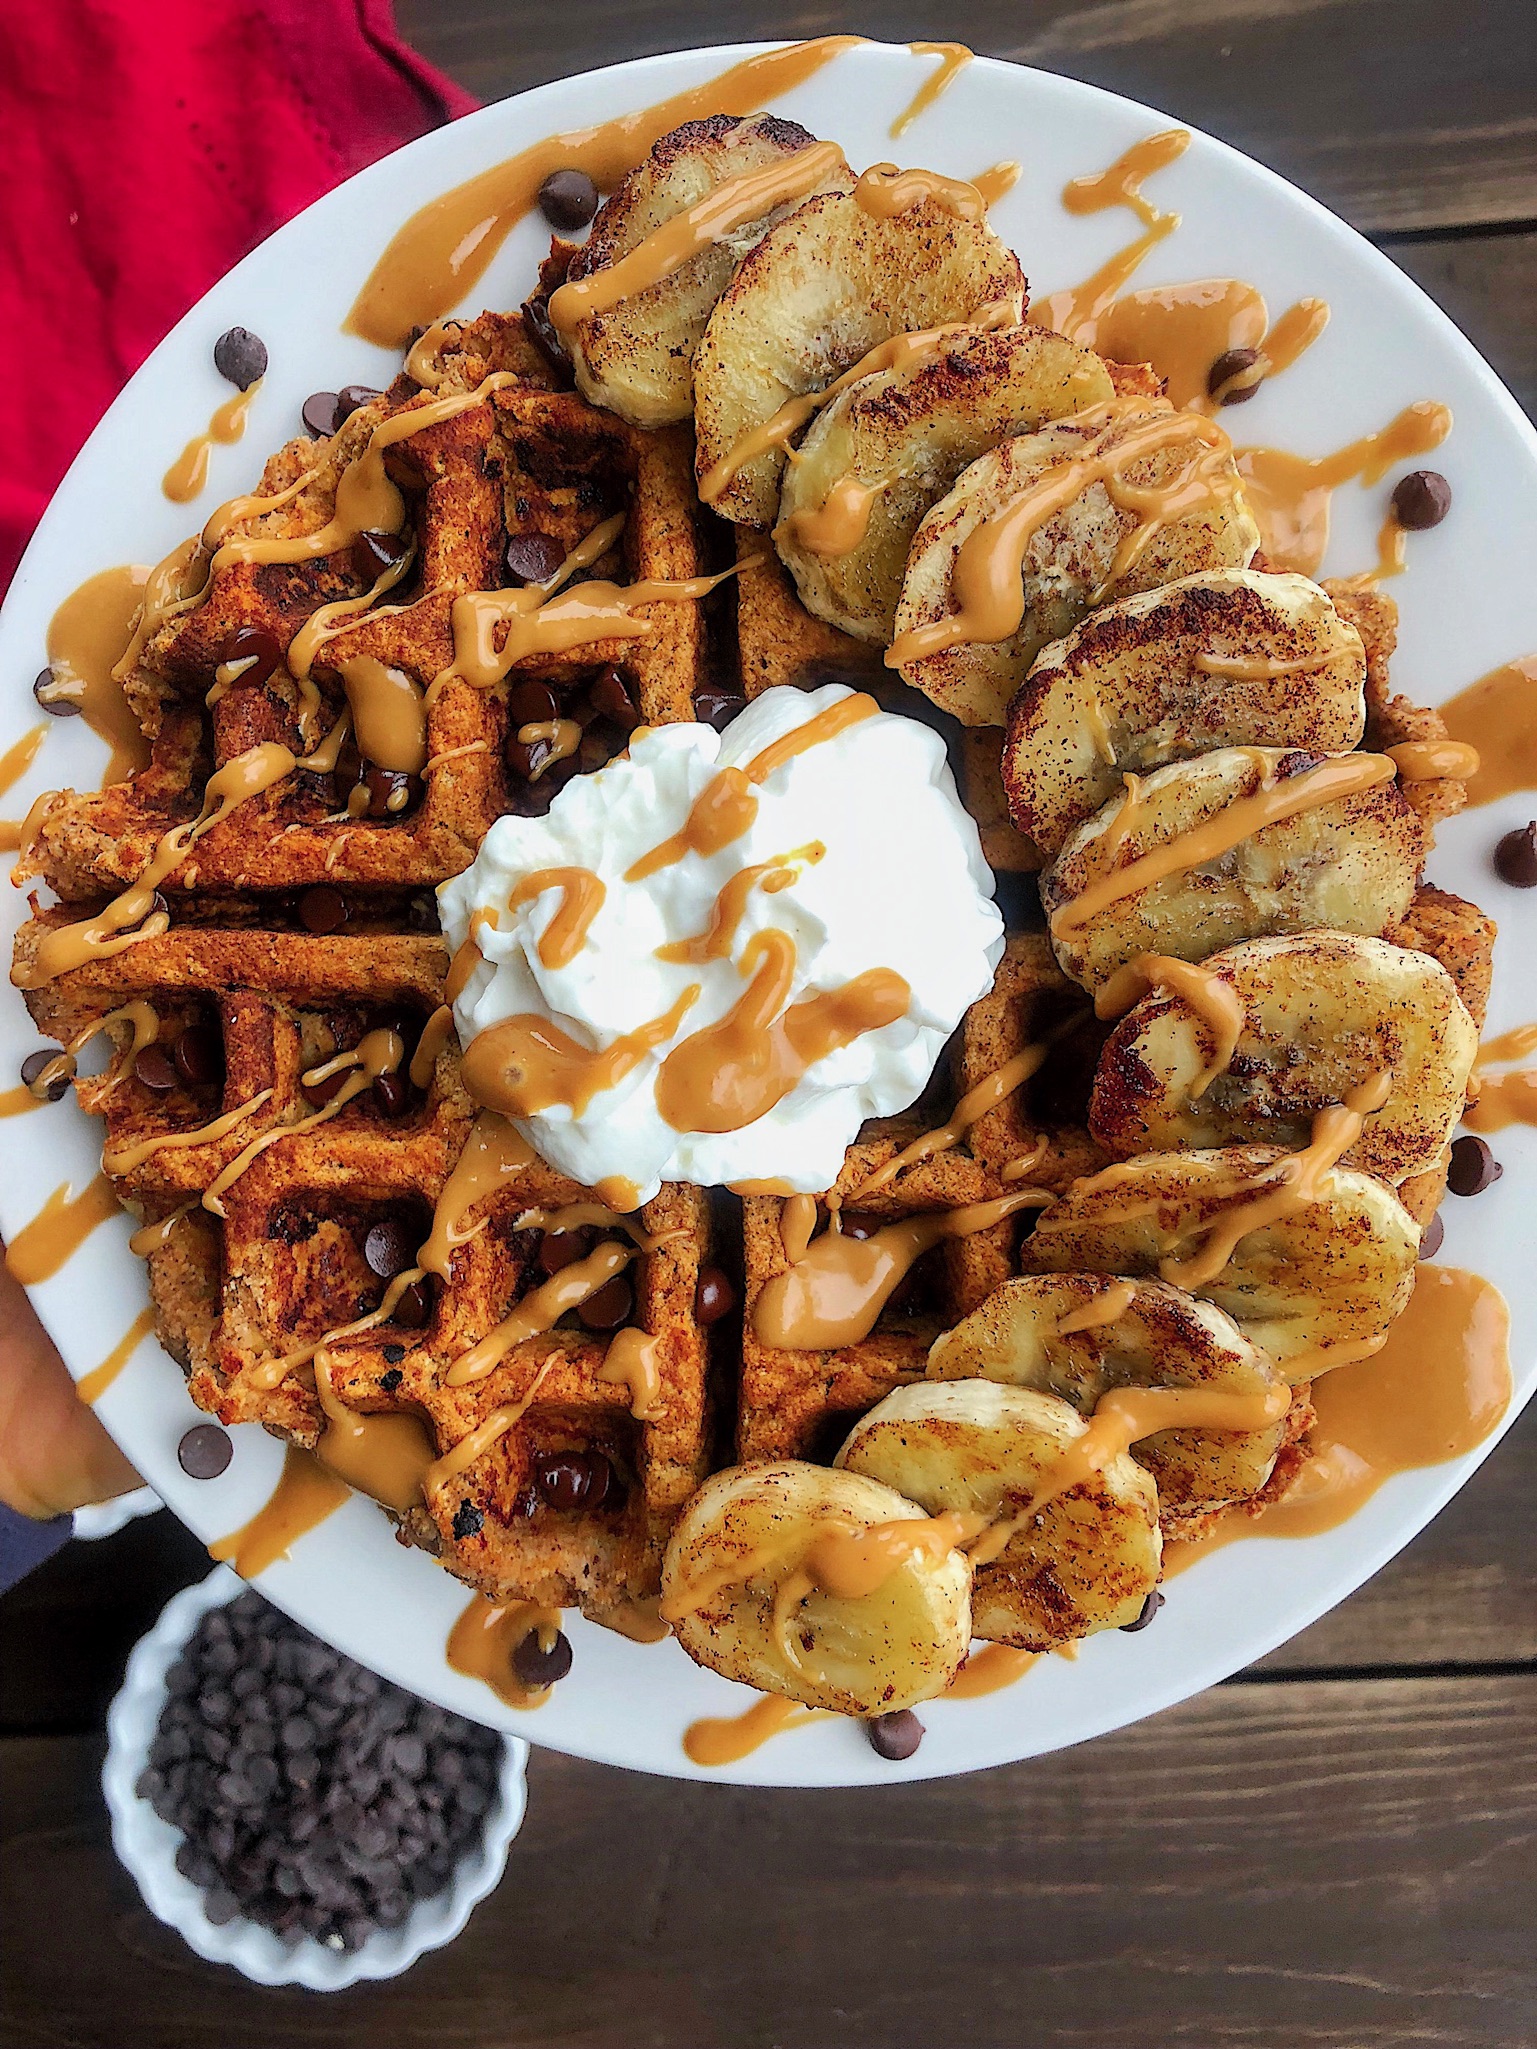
x=1502 y=1099
x=731 y=1073
x=998 y=180
x=976 y=1104
x=561 y=736
x=59 y=1229
x=152 y=1238
x=632 y=1361
x=1120 y=1419
x=725 y=808
x=714 y=943
x=15 y=1102
x=541 y=1310
x=1184 y=329
x=897 y=352
x=482 y=1642
x=1289 y=494
x=176 y=583
x=953 y=58
x=468 y=957
x=380 y=1052
x=387 y=714
x=729 y=206
x=838 y=525
x=269 y=1373
x=1215 y=1001
x=460 y=1457
x=87 y=637
x=1428 y=761
x=384 y=1457
x=1437 y=1389
x=1341 y=776
x=23 y=838
x=1076 y=310
x=600 y=1216
x=1498 y=715
x=989 y=1670
x=106 y=933
x=439 y=254
x=1107 y=1307
x=492 y=1154
x=987 y=583
x=14 y=764
x=797 y=1225
x=189 y=473
x=123 y=1159
x=524 y=1064
x=139 y=1014
x=726 y=1739
x=437 y=1033
x=885 y=191
x=618 y=1192
x=637 y=1619
x=329 y=620
x=94 y=1384
x=305 y=1495
x=833 y=1294
x=847 y=1560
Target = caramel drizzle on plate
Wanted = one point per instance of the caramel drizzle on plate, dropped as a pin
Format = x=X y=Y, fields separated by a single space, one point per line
x=953 y=59
x=482 y=1642
x=94 y=1384
x=306 y=1493
x=1498 y=716
x=1289 y=495
x=88 y=638
x=189 y=473
x=1075 y=311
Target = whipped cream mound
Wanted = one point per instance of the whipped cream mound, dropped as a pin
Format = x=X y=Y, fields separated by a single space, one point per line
x=899 y=883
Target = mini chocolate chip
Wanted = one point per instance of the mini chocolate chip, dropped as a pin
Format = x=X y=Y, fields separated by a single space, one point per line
x=204 y=1452
x=530 y=704
x=33 y=1066
x=394 y=1354
x=56 y=707
x=1422 y=499
x=319 y=413
x=1472 y=1167
x=536 y=1666
x=392 y=1095
x=390 y=1380
x=718 y=708
x=1149 y=1609
x=322 y=909
x=609 y=695
x=319 y=1093
x=533 y=558
x=559 y=1249
x=199 y=1055
x=1431 y=1237
x=1515 y=857
x=571 y=1480
x=894 y=1736
x=240 y=357
x=1233 y=363
x=526 y=759
x=714 y=1297
x=568 y=199
x=414 y=1307
x=468 y=1519
x=610 y=1307
x=854 y=1225
x=254 y=645
x=389 y=1248
x=350 y=397
x=374 y=551
x=389 y=791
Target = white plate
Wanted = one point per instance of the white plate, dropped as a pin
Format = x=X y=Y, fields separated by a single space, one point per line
x=1466 y=606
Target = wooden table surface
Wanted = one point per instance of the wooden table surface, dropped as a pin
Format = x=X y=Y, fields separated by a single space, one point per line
x=1334 y=1848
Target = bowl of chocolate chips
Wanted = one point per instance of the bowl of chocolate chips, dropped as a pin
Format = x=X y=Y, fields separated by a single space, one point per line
x=288 y=1811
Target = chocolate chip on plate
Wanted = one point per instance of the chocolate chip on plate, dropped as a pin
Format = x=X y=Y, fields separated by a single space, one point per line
x=533 y=557
x=894 y=1736
x=568 y=199
x=199 y=1055
x=1472 y=1167
x=156 y=1070
x=33 y=1066
x=1233 y=363
x=1150 y=1608
x=204 y=1451
x=1421 y=499
x=389 y=1248
x=240 y=357
x=1431 y=1237
x=1515 y=857
x=319 y=413
x=46 y=689
x=255 y=652
x=322 y=909
x=374 y=551
x=714 y=1297
x=610 y=1307
x=536 y=1666
x=718 y=708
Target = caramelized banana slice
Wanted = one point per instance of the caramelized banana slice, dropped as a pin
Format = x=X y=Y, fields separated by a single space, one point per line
x=820 y=291
x=742 y=1600
x=1220 y=659
x=877 y=458
x=1036 y=1332
x=1087 y=1561
x=1334 y=1269
x=1349 y=863
x=1083 y=546
x=1323 y=1012
x=637 y=357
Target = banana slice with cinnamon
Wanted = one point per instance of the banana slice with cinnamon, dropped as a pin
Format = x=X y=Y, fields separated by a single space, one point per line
x=820 y=291
x=1119 y=499
x=1085 y=1561
x=883 y=451
x=1318 y=1013
x=1078 y=1336
x=1303 y=1258
x=636 y=357
x=1218 y=659
x=778 y=1575
x=1238 y=844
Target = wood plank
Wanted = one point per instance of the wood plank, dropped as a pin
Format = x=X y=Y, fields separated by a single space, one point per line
x=1269 y=1866
x=1399 y=114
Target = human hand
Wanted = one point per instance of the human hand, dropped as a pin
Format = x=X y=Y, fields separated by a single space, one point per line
x=54 y=1454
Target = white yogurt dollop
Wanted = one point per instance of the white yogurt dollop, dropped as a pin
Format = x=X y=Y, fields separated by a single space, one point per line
x=901 y=884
